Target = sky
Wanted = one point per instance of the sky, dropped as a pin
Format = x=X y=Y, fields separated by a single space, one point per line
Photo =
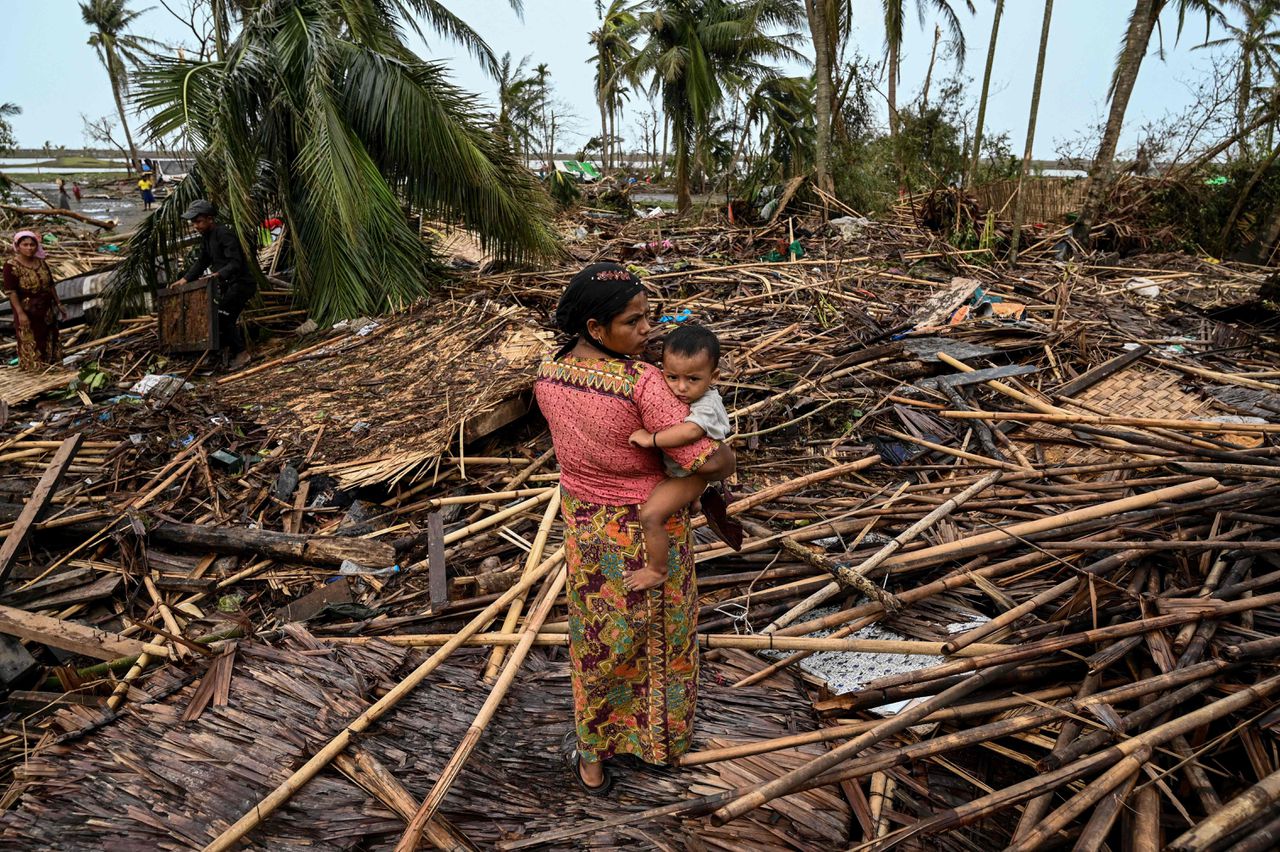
x=48 y=69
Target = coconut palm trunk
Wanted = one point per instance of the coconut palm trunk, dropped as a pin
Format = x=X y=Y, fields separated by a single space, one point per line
x=892 y=93
x=982 y=100
x=604 y=134
x=117 y=73
x=820 y=31
x=1019 y=206
x=680 y=139
x=1141 y=24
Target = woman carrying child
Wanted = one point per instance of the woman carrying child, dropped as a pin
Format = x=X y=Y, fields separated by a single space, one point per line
x=633 y=652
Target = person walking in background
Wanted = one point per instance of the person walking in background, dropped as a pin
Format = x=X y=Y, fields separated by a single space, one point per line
x=220 y=252
x=64 y=200
x=28 y=282
x=75 y=190
x=144 y=186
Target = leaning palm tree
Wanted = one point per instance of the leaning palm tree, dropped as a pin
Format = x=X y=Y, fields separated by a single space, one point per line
x=320 y=112
x=695 y=50
x=117 y=49
x=785 y=110
x=612 y=43
x=895 y=13
x=1143 y=23
x=975 y=159
x=1257 y=44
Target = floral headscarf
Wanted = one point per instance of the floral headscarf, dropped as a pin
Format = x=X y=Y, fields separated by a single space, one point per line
x=18 y=237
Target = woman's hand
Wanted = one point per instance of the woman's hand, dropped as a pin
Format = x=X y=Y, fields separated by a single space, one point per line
x=641 y=438
x=721 y=465
x=62 y=312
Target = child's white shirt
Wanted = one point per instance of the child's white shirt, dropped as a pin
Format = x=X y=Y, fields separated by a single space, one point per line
x=709 y=413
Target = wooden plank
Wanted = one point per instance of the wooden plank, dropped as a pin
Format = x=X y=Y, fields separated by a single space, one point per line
x=61 y=581
x=437 y=581
x=503 y=414
x=310 y=604
x=103 y=587
x=37 y=503
x=1091 y=377
x=68 y=635
x=956 y=380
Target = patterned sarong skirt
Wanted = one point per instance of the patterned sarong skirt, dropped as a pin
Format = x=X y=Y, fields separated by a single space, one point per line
x=634 y=655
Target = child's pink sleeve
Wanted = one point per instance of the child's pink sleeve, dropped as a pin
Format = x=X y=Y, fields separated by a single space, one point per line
x=659 y=409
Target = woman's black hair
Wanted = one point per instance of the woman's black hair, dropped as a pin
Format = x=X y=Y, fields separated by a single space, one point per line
x=599 y=292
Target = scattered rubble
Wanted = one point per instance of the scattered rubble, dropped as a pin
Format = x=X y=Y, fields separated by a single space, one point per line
x=1052 y=487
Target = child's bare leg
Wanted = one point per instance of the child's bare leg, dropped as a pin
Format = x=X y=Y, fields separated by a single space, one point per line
x=667 y=498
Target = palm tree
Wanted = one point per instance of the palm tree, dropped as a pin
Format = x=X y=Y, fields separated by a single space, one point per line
x=1142 y=24
x=321 y=113
x=785 y=110
x=986 y=86
x=1258 y=44
x=518 y=105
x=542 y=91
x=1031 y=128
x=828 y=27
x=895 y=13
x=116 y=50
x=612 y=41
x=7 y=111
x=694 y=50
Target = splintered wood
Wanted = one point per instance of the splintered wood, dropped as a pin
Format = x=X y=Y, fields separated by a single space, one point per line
x=1012 y=577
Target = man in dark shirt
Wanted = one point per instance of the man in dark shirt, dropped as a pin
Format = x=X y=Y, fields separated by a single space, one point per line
x=220 y=252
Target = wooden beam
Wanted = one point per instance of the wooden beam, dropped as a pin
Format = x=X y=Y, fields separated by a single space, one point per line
x=437 y=579
x=69 y=636
x=1107 y=368
x=37 y=503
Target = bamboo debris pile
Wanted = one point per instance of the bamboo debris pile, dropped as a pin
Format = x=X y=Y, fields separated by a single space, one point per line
x=1011 y=573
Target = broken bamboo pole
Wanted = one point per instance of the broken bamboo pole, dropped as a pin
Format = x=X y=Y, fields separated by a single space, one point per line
x=967 y=546
x=1253 y=804
x=1035 y=650
x=789 y=782
x=531 y=562
x=551 y=637
x=985 y=806
x=1068 y=418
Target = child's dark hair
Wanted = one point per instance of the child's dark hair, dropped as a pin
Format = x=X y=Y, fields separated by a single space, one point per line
x=689 y=340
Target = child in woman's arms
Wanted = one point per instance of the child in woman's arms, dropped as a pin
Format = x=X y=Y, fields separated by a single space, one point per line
x=690 y=365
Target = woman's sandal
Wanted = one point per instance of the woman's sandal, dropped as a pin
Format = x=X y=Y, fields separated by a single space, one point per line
x=569 y=750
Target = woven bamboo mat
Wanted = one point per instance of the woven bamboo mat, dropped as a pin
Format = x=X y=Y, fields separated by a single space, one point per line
x=1134 y=392
x=18 y=386
x=1145 y=393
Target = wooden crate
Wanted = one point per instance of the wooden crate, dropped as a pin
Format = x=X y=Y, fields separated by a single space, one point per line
x=188 y=317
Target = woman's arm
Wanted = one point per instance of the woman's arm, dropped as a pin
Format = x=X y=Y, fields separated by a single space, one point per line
x=673 y=436
x=10 y=280
x=19 y=315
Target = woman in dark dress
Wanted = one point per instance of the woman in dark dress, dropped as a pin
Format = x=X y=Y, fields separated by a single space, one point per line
x=28 y=282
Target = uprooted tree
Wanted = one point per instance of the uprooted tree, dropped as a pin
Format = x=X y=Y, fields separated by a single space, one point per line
x=319 y=111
